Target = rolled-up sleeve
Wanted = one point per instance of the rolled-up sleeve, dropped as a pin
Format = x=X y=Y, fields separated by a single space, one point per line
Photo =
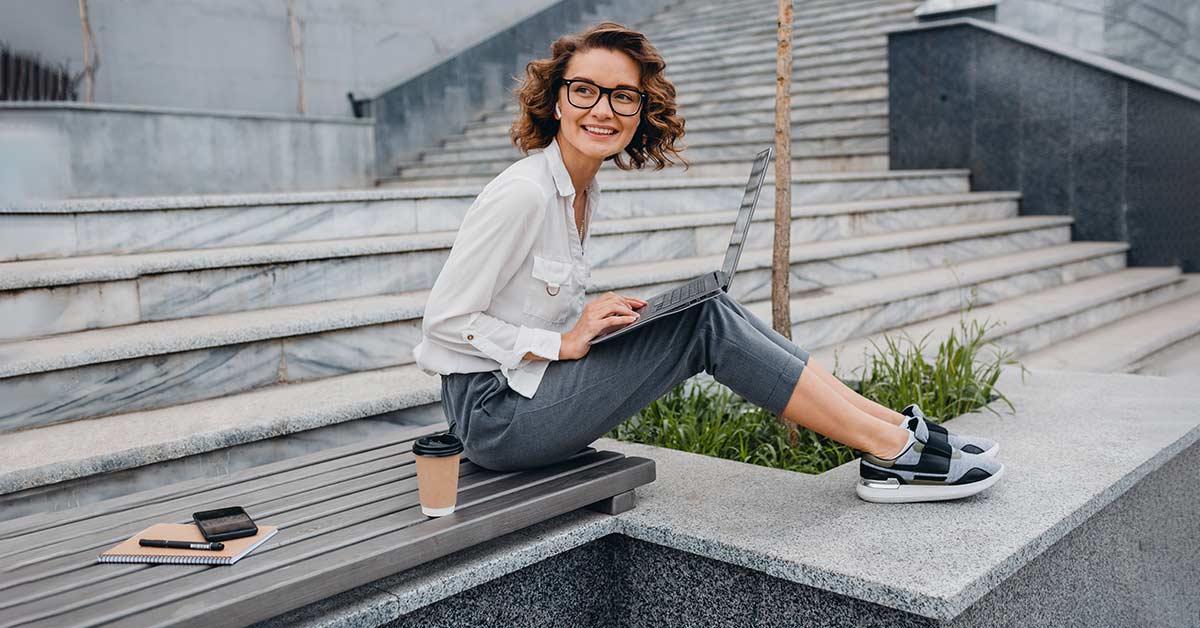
x=496 y=236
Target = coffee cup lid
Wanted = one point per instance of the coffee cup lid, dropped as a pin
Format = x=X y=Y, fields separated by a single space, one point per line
x=438 y=445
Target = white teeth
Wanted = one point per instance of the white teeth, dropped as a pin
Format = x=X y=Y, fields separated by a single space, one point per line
x=599 y=131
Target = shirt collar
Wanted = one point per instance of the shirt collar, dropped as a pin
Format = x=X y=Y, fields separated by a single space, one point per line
x=562 y=179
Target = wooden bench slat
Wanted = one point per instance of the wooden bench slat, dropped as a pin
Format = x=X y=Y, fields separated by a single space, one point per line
x=295 y=542
x=302 y=465
x=312 y=576
x=45 y=577
x=111 y=531
x=95 y=583
x=159 y=511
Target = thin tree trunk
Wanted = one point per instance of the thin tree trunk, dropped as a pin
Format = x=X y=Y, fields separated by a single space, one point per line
x=781 y=318
x=297 y=54
x=91 y=57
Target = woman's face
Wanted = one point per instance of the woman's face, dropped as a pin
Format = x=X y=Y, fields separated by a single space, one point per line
x=605 y=68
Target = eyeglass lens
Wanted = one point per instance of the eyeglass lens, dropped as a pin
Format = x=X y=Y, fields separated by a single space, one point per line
x=623 y=101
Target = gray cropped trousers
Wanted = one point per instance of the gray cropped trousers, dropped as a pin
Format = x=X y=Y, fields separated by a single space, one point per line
x=580 y=400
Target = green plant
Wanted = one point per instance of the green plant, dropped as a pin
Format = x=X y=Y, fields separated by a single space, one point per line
x=955 y=382
x=712 y=420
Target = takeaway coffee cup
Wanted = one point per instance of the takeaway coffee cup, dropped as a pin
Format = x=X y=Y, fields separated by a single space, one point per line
x=437 y=472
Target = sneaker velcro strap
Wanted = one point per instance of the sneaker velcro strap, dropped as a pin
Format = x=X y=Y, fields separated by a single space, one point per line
x=936 y=454
x=936 y=427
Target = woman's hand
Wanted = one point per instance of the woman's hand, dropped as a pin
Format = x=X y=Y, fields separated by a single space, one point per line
x=606 y=311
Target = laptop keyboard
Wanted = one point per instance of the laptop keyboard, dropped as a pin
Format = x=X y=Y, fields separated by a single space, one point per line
x=679 y=295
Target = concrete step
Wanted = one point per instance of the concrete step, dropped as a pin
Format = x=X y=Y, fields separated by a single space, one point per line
x=767 y=34
x=845 y=64
x=121 y=290
x=807 y=54
x=838 y=313
x=865 y=161
x=752 y=48
x=689 y=16
x=102 y=372
x=54 y=454
x=817 y=265
x=697 y=63
x=645 y=194
x=737 y=30
x=849 y=143
x=139 y=438
x=866 y=63
x=1030 y=322
x=767 y=29
x=489 y=148
x=639 y=240
x=159 y=364
x=1123 y=346
x=76 y=228
x=746 y=93
x=486 y=131
x=1181 y=359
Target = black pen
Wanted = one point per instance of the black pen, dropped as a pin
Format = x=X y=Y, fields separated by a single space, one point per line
x=216 y=547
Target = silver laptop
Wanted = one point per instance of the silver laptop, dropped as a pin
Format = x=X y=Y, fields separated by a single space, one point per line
x=710 y=284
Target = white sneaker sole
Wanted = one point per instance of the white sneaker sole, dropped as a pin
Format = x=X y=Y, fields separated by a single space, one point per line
x=904 y=493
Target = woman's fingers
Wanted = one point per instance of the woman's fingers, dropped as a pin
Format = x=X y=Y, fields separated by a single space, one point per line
x=630 y=302
x=616 y=309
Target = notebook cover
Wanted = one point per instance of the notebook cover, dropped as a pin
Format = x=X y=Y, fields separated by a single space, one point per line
x=129 y=551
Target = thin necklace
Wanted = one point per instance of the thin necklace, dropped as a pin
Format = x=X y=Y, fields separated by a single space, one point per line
x=583 y=220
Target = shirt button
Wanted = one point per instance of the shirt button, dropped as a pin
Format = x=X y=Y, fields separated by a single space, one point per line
x=470 y=337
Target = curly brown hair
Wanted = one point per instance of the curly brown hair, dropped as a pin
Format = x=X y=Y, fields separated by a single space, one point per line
x=660 y=126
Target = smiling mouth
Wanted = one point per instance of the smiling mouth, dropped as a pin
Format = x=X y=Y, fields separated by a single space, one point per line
x=598 y=135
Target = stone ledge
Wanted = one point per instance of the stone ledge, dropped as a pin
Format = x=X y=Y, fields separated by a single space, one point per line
x=933 y=560
x=75 y=450
x=467 y=192
x=179 y=111
x=1111 y=66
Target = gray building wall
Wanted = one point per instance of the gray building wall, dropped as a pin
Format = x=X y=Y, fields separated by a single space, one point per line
x=236 y=55
x=1159 y=36
x=1077 y=134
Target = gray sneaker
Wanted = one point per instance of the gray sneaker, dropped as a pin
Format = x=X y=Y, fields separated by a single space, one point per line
x=928 y=469
x=968 y=444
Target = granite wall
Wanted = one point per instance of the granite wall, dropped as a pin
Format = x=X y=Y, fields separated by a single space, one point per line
x=1077 y=135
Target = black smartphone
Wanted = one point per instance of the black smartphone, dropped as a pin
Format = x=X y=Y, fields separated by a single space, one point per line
x=224 y=524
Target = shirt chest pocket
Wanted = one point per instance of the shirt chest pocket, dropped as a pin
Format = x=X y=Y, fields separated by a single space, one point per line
x=551 y=291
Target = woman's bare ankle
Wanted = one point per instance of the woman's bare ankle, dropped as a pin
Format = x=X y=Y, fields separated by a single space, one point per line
x=891 y=444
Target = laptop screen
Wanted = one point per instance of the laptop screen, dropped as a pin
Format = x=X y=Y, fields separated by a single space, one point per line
x=749 y=200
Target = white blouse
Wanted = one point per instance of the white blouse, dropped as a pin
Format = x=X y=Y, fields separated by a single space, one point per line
x=515 y=278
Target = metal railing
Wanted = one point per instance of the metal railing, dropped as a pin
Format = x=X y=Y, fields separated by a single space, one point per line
x=25 y=77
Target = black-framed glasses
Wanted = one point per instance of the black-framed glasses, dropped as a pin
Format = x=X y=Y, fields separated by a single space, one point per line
x=622 y=100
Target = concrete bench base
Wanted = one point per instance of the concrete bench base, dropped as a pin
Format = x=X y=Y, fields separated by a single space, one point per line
x=1094 y=524
x=1131 y=564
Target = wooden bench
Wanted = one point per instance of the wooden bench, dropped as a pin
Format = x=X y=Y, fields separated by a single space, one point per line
x=347 y=517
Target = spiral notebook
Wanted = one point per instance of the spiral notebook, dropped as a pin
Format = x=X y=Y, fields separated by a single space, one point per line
x=129 y=551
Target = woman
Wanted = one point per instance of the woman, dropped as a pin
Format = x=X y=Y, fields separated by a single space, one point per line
x=507 y=327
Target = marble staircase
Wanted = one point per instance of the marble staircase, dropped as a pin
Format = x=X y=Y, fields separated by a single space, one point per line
x=183 y=332
x=727 y=99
